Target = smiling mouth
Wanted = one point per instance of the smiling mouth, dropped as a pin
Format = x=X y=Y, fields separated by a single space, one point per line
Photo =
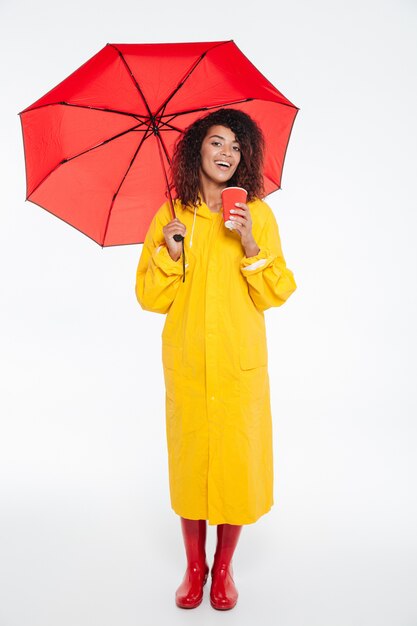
x=223 y=165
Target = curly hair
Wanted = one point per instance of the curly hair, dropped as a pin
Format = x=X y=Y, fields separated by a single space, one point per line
x=186 y=159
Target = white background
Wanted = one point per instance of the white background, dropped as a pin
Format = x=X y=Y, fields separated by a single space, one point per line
x=86 y=529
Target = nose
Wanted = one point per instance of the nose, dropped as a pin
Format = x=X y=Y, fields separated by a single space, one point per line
x=227 y=151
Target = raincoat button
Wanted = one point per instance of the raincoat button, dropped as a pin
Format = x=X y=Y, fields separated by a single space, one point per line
x=212 y=397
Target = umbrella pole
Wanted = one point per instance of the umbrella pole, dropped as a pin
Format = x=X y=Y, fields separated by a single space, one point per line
x=177 y=237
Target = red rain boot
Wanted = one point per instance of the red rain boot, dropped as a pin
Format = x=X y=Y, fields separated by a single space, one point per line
x=190 y=593
x=223 y=593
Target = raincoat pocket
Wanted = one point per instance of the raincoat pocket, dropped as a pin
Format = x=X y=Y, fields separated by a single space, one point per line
x=254 y=354
x=171 y=360
x=170 y=354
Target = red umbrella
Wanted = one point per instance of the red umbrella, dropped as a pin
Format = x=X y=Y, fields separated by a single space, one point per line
x=98 y=145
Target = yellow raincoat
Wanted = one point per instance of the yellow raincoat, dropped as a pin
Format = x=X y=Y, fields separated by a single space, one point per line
x=214 y=354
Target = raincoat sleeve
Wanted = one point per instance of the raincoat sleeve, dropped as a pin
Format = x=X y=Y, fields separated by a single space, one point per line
x=270 y=282
x=158 y=276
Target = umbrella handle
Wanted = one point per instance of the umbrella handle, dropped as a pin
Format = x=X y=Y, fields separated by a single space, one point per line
x=181 y=238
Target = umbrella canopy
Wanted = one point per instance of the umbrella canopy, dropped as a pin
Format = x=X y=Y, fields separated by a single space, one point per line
x=98 y=145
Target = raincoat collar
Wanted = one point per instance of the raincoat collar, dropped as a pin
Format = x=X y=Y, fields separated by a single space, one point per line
x=202 y=208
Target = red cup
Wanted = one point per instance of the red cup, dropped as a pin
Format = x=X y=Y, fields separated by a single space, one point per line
x=230 y=195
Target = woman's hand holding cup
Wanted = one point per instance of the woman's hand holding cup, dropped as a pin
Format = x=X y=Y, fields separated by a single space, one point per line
x=231 y=195
x=175 y=227
x=237 y=216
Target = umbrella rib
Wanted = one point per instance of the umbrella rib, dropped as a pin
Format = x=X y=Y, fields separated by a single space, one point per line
x=121 y=183
x=162 y=107
x=75 y=156
x=83 y=106
x=286 y=147
x=207 y=108
x=223 y=104
x=134 y=80
x=171 y=127
x=133 y=243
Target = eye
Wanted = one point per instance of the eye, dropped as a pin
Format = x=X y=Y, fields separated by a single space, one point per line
x=237 y=148
x=215 y=143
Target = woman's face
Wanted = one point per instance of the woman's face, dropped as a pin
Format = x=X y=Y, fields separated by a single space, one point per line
x=220 y=154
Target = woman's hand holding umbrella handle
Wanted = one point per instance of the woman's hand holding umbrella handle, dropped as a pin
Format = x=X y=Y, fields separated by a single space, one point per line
x=175 y=227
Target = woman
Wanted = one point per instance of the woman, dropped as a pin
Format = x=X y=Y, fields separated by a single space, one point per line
x=214 y=352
